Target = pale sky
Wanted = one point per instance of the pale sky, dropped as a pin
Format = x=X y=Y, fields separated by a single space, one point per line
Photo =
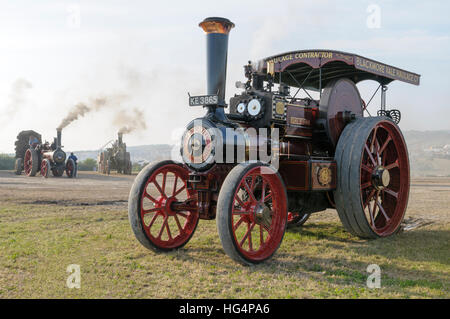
x=153 y=53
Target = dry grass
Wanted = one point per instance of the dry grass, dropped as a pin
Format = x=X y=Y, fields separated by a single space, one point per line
x=38 y=242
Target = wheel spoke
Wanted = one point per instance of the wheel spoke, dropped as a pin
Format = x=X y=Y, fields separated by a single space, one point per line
x=159 y=188
x=153 y=220
x=179 y=191
x=370 y=155
x=369 y=198
x=239 y=222
x=263 y=191
x=175 y=185
x=247 y=234
x=374 y=137
x=269 y=196
x=250 y=193
x=393 y=165
x=391 y=192
x=168 y=229
x=182 y=214
x=156 y=209
x=372 y=221
x=261 y=235
x=150 y=197
x=240 y=202
x=385 y=144
x=366 y=168
x=163 y=187
x=365 y=185
x=162 y=227
x=178 y=224
x=382 y=211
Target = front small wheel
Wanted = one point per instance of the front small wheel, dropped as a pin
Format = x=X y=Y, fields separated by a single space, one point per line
x=45 y=168
x=252 y=213
x=155 y=223
x=70 y=168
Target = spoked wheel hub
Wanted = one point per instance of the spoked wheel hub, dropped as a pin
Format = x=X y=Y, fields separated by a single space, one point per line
x=380 y=178
x=373 y=177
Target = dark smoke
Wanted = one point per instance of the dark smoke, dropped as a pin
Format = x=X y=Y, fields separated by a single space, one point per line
x=96 y=104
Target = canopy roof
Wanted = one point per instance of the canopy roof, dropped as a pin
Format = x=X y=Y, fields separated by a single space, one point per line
x=308 y=66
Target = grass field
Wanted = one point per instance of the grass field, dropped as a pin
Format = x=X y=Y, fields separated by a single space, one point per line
x=321 y=260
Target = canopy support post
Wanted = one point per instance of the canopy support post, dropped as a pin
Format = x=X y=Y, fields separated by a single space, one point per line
x=383 y=97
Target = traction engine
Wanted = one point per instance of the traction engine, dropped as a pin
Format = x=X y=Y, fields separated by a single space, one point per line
x=276 y=158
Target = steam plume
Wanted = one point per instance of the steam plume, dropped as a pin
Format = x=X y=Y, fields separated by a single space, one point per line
x=96 y=104
x=130 y=122
x=17 y=96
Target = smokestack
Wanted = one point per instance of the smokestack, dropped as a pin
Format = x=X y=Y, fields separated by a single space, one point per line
x=120 y=134
x=58 y=138
x=217 y=30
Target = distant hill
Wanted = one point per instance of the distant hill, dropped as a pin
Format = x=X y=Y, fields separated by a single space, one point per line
x=428 y=153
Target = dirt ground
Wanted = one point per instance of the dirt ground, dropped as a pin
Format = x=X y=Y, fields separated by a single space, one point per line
x=46 y=223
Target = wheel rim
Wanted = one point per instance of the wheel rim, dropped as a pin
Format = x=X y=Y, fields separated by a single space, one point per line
x=44 y=168
x=28 y=162
x=259 y=214
x=165 y=227
x=384 y=177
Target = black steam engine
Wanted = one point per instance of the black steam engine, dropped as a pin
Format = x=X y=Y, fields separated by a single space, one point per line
x=43 y=157
x=275 y=158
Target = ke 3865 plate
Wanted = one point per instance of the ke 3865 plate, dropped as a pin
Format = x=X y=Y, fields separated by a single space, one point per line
x=203 y=100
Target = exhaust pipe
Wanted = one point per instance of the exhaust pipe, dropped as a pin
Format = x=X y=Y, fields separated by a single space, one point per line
x=217 y=30
x=120 y=134
x=58 y=138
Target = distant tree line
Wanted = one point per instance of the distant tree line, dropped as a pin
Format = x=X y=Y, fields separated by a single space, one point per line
x=6 y=162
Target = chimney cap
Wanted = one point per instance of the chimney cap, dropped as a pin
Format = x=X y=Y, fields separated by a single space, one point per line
x=216 y=25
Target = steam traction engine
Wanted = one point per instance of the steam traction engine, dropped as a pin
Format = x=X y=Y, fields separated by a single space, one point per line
x=115 y=157
x=42 y=157
x=322 y=153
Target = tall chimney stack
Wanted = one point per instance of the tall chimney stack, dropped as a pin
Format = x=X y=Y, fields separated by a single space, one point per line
x=217 y=30
x=120 y=134
x=58 y=138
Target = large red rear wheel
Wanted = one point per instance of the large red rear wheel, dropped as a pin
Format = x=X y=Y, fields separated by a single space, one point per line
x=151 y=207
x=373 y=177
x=252 y=212
x=31 y=162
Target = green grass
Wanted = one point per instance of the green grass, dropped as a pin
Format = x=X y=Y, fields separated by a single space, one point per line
x=320 y=260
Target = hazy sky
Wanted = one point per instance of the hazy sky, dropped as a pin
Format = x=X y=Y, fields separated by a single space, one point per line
x=147 y=55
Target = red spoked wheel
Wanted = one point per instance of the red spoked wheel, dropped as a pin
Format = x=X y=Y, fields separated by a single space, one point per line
x=70 y=168
x=162 y=211
x=373 y=184
x=45 y=168
x=30 y=162
x=252 y=213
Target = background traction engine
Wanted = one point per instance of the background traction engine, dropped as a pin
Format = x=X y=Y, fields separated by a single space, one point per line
x=115 y=157
x=43 y=157
x=275 y=158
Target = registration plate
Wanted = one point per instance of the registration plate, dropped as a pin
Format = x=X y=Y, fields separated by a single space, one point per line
x=203 y=100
